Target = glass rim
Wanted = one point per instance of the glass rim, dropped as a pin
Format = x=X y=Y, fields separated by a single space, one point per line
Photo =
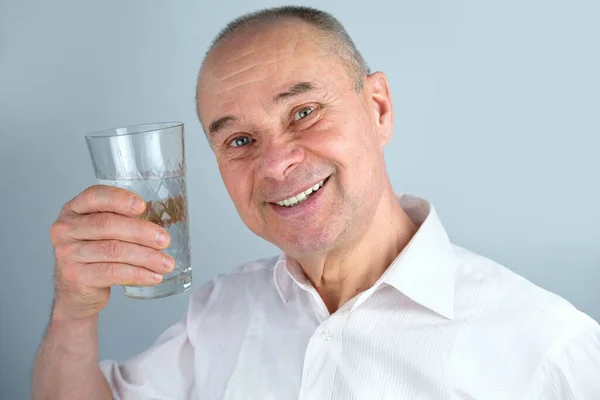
x=144 y=128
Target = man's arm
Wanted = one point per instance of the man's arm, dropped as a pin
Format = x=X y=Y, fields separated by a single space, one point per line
x=66 y=366
x=98 y=242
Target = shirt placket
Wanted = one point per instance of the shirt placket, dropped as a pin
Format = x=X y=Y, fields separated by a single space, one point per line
x=323 y=352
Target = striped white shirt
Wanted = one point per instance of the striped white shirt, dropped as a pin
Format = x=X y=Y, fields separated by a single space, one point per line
x=441 y=323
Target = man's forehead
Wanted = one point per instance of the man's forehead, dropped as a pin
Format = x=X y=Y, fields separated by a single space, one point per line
x=293 y=41
x=269 y=62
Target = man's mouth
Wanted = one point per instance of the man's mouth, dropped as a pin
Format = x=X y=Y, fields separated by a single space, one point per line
x=302 y=196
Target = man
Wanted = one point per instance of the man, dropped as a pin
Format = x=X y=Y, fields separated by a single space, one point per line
x=369 y=299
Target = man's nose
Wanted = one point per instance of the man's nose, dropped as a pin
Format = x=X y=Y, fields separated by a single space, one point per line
x=279 y=159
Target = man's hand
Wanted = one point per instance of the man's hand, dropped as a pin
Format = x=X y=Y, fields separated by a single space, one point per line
x=98 y=242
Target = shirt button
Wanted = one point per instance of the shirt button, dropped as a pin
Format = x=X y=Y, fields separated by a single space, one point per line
x=326 y=335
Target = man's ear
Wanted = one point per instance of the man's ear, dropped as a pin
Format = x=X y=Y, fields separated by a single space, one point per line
x=378 y=91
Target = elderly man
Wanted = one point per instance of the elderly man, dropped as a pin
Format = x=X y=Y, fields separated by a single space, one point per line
x=368 y=299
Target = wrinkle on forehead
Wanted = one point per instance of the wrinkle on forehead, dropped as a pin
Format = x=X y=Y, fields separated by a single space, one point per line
x=247 y=54
x=255 y=47
x=222 y=79
x=249 y=68
x=262 y=48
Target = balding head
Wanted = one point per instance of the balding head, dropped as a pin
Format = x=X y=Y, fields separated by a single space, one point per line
x=332 y=36
x=333 y=33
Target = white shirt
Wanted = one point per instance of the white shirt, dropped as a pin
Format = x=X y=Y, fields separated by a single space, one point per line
x=441 y=323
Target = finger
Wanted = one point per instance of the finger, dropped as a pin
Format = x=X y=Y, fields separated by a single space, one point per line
x=107 y=226
x=104 y=198
x=102 y=275
x=95 y=251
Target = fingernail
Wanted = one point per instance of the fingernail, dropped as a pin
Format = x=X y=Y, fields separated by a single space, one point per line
x=169 y=262
x=136 y=203
x=157 y=277
x=161 y=238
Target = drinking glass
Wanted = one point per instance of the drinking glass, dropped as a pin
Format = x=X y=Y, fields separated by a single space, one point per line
x=149 y=160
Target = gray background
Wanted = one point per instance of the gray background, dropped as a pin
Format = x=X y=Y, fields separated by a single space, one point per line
x=497 y=123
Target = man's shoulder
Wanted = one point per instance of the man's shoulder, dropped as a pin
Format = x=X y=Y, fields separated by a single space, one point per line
x=519 y=331
x=500 y=296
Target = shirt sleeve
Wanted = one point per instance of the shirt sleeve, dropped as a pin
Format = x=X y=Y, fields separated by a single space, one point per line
x=571 y=369
x=165 y=371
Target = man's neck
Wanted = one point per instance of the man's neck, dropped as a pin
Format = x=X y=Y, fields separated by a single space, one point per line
x=342 y=274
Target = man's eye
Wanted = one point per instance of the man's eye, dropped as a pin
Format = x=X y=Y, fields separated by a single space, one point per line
x=303 y=113
x=240 y=141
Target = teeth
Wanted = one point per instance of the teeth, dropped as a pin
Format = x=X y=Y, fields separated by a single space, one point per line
x=300 y=197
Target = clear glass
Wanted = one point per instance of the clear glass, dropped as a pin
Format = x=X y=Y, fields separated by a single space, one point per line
x=150 y=161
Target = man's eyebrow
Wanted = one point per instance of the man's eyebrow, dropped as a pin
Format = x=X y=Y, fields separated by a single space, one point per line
x=219 y=124
x=295 y=90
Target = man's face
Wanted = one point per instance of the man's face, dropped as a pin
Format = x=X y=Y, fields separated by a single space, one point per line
x=283 y=119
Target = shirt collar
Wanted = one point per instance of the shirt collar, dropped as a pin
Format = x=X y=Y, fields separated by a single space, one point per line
x=424 y=271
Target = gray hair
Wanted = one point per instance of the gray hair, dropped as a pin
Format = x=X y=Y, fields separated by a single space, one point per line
x=337 y=40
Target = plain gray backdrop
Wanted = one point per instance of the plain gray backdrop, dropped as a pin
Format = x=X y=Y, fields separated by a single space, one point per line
x=497 y=123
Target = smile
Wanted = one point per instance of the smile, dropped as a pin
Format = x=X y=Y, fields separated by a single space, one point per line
x=300 y=197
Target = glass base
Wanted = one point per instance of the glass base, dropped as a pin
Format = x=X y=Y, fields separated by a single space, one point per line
x=168 y=287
